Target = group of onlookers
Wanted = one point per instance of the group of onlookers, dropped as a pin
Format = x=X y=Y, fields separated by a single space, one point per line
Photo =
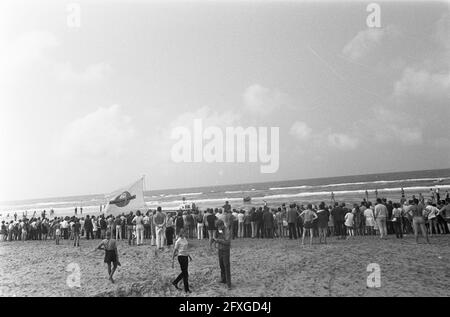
x=339 y=220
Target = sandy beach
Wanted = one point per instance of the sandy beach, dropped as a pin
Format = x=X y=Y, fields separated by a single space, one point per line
x=269 y=267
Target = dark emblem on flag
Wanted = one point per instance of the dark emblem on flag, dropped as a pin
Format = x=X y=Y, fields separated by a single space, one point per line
x=123 y=199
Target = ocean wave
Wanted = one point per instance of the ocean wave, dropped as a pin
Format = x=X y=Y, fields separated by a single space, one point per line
x=346 y=192
x=292 y=187
x=436 y=179
x=240 y=191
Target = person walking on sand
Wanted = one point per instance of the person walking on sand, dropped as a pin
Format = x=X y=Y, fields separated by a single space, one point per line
x=223 y=242
x=181 y=249
x=308 y=216
x=111 y=254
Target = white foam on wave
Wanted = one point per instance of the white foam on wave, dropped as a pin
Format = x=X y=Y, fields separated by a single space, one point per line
x=292 y=187
x=347 y=192
x=436 y=179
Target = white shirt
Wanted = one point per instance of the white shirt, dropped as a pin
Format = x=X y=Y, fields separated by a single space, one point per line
x=240 y=217
x=182 y=246
x=432 y=211
x=349 y=219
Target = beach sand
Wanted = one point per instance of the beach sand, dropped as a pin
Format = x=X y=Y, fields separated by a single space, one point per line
x=265 y=267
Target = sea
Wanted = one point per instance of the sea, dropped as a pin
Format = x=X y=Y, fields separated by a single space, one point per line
x=348 y=189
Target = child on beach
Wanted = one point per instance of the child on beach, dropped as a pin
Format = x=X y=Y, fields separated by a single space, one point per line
x=349 y=224
x=57 y=232
x=111 y=254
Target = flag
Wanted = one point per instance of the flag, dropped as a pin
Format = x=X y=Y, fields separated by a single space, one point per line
x=126 y=199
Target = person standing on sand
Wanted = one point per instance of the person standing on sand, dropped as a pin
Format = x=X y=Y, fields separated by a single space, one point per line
x=111 y=254
x=76 y=233
x=416 y=210
x=57 y=232
x=139 y=222
x=211 y=223
x=118 y=226
x=322 y=222
x=89 y=228
x=159 y=221
x=370 y=220
x=397 y=220
x=181 y=249
x=3 y=231
x=349 y=223
x=179 y=222
x=381 y=214
x=308 y=216
x=292 y=221
x=170 y=231
x=223 y=242
x=199 y=217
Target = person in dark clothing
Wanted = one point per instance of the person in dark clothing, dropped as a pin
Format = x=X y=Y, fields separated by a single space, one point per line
x=179 y=222
x=182 y=250
x=342 y=212
x=129 y=220
x=88 y=227
x=76 y=233
x=322 y=222
x=268 y=223
x=292 y=216
x=103 y=227
x=211 y=225
x=389 y=224
x=259 y=223
x=223 y=242
x=299 y=224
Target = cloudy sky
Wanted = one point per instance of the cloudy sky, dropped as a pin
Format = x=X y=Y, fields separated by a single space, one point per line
x=88 y=109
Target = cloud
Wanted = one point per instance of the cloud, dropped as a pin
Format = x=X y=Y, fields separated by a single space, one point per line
x=343 y=141
x=300 y=130
x=105 y=132
x=394 y=126
x=421 y=82
x=261 y=100
x=367 y=40
x=208 y=117
x=92 y=73
x=28 y=56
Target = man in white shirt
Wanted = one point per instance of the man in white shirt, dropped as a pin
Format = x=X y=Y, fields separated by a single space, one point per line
x=432 y=213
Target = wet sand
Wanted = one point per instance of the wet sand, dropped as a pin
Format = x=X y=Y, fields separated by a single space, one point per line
x=265 y=267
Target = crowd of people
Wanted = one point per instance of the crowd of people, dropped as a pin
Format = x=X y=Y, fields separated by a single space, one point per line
x=286 y=221
x=221 y=225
